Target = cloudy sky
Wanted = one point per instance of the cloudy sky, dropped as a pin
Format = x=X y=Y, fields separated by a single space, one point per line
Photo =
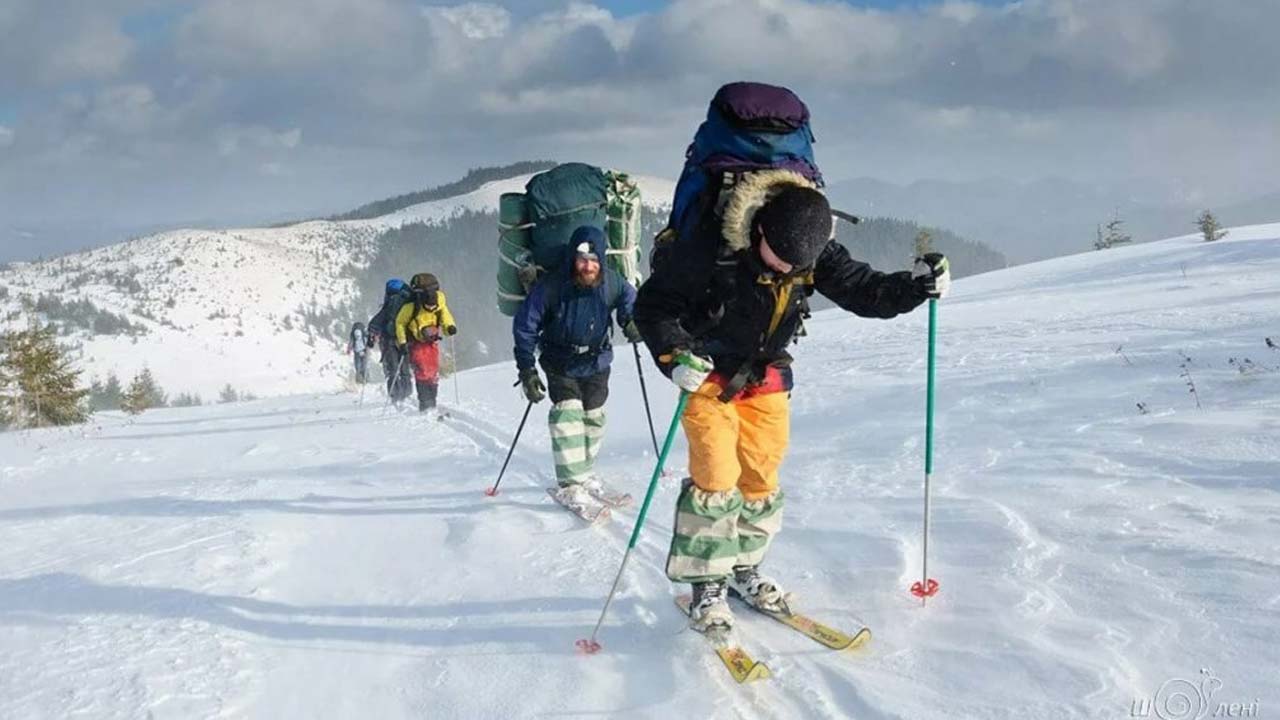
x=125 y=114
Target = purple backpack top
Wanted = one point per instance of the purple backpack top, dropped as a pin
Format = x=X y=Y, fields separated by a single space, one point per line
x=749 y=127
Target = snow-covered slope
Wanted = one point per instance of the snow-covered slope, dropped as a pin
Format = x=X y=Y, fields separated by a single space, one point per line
x=222 y=307
x=315 y=557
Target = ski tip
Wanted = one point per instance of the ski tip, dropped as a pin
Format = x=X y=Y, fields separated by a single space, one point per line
x=741 y=666
x=759 y=671
x=587 y=646
x=861 y=640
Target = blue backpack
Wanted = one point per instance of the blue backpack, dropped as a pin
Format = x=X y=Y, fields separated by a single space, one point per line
x=749 y=127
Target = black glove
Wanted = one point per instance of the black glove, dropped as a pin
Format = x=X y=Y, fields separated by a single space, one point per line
x=631 y=332
x=450 y=329
x=402 y=348
x=532 y=385
x=932 y=274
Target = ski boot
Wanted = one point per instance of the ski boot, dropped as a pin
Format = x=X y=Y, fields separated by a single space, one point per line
x=709 y=608
x=759 y=591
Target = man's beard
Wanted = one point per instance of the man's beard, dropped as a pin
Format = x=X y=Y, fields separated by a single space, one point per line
x=582 y=282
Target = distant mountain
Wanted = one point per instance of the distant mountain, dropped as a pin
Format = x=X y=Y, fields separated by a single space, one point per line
x=472 y=181
x=1038 y=220
x=267 y=310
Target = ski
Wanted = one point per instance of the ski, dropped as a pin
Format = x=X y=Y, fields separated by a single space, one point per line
x=607 y=494
x=822 y=634
x=589 y=512
x=737 y=660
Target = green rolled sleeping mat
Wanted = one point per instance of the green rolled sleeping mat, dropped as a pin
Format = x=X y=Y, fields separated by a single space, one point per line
x=515 y=243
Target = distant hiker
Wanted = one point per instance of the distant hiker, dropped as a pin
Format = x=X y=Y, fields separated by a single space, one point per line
x=750 y=239
x=358 y=345
x=382 y=331
x=566 y=320
x=418 y=328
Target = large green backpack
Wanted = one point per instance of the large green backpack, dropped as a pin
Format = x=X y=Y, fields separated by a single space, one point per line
x=534 y=226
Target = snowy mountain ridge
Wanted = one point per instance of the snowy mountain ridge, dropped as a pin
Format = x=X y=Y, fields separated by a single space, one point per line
x=247 y=307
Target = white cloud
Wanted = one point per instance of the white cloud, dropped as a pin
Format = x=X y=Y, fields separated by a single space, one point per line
x=300 y=35
x=6 y=136
x=124 y=109
x=231 y=140
x=273 y=169
x=954 y=117
x=955 y=88
x=961 y=11
x=58 y=41
x=476 y=21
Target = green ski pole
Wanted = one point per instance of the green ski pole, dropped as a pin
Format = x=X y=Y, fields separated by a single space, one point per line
x=590 y=645
x=927 y=587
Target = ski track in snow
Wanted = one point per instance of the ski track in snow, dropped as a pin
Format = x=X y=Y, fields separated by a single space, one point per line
x=316 y=557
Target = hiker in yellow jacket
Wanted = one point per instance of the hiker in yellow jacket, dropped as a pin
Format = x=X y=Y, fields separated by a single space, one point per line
x=419 y=326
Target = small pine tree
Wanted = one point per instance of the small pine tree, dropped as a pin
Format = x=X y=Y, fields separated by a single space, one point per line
x=186 y=400
x=143 y=393
x=108 y=395
x=1116 y=236
x=39 y=385
x=1209 y=227
x=1099 y=243
x=924 y=243
x=228 y=394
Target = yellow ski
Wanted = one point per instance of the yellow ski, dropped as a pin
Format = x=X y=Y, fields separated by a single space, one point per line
x=822 y=634
x=737 y=661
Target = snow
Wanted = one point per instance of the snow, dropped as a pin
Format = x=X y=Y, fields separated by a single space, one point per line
x=319 y=556
x=214 y=302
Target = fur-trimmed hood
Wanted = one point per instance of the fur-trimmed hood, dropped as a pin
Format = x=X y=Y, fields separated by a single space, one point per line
x=748 y=196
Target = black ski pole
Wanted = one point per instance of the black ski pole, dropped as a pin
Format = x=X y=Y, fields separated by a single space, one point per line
x=644 y=392
x=494 y=490
x=393 y=383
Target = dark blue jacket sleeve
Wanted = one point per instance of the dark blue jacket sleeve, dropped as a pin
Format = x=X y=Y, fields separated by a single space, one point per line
x=375 y=322
x=527 y=325
x=625 y=307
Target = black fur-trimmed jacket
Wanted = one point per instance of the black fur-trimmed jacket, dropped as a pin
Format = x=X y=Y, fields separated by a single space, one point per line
x=715 y=297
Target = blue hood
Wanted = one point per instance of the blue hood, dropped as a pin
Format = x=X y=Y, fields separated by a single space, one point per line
x=395 y=285
x=591 y=235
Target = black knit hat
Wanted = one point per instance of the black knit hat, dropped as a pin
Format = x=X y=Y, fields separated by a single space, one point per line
x=797 y=224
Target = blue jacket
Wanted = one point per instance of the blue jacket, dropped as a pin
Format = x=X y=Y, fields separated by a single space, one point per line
x=570 y=325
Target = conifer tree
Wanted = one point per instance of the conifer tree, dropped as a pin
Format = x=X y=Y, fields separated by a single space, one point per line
x=143 y=393
x=1209 y=227
x=108 y=395
x=228 y=394
x=38 y=382
x=924 y=243
x=1115 y=235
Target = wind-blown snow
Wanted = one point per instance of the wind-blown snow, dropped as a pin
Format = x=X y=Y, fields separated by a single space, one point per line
x=318 y=557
